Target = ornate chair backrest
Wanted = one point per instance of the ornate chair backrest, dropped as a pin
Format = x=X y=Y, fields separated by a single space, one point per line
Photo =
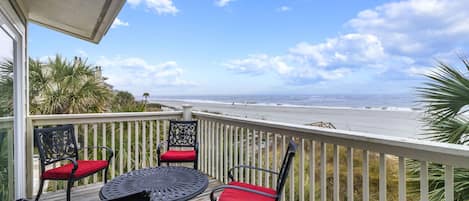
x=286 y=163
x=55 y=144
x=182 y=134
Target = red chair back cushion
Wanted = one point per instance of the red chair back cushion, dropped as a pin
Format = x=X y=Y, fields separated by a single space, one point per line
x=179 y=155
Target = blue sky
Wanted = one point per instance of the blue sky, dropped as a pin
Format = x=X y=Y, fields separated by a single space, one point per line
x=210 y=47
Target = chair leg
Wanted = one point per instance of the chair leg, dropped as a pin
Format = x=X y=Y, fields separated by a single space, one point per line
x=159 y=162
x=40 y=190
x=69 y=187
x=105 y=175
x=195 y=164
x=167 y=163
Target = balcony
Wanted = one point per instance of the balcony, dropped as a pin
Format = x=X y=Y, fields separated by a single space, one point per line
x=329 y=165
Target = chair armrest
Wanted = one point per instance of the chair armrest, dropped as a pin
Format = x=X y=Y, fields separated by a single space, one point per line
x=75 y=165
x=158 y=147
x=196 y=147
x=109 y=150
x=230 y=171
x=212 y=198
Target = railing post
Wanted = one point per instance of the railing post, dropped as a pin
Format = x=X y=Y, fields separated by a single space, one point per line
x=187 y=112
x=29 y=157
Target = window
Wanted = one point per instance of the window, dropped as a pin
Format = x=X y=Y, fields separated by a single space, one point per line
x=7 y=66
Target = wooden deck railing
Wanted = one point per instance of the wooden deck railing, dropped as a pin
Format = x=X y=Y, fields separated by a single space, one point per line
x=348 y=174
x=330 y=164
x=132 y=136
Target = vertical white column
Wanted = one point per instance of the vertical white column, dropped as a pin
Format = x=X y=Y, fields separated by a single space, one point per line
x=187 y=112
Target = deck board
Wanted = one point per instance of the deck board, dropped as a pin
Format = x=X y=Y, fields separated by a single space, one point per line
x=91 y=193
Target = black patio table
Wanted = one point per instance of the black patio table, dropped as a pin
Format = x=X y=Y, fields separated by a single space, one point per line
x=162 y=183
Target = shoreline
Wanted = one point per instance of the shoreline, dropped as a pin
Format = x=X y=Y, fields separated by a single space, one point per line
x=402 y=123
x=381 y=108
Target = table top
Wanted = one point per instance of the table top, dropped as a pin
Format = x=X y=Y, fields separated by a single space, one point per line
x=164 y=183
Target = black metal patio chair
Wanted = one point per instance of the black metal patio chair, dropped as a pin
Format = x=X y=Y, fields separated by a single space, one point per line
x=182 y=134
x=58 y=144
x=239 y=191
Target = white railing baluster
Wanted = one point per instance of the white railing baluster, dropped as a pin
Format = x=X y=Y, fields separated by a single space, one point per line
x=312 y=171
x=137 y=142
x=150 y=129
x=95 y=151
x=259 y=158
x=274 y=158
x=224 y=169
x=301 y=170
x=323 y=172
x=349 y=174
x=231 y=143
x=236 y=153
x=423 y=181
x=121 y=148
x=212 y=148
x=129 y=146
x=113 y=147
x=267 y=159
x=253 y=156
x=241 y=153
x=382 y=177
x=206 y=146
x=165 y=134
x=402 y=179
x=85 y=144
x=200 y=141
x=336 y=182
x=104 y=143
x=449 y=182
x=158 y=137
x=144 y=144
x=217 y=151
x=248 y=155
x=365 y=177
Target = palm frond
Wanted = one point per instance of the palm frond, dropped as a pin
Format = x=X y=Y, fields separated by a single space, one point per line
x=447 y=93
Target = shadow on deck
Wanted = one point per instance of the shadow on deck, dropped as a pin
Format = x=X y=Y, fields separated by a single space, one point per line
x=91 y=193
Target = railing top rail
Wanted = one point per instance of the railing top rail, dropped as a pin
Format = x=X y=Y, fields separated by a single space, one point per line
x=444 y=153
x=101 y=117
x=6 y=119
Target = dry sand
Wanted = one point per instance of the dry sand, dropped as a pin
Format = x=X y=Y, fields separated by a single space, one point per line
x=384 y=122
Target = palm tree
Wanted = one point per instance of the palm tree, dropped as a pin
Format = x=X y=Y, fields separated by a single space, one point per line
x=445 y=97
x=145 y=96
x=64 y=87
x=124 y=101
x=6 y=88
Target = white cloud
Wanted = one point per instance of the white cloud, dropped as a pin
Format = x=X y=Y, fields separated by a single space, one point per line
x=117 y=23
x=284 y=9
x=82 y=53
x=137 y=75
x=396 y=40
x=161 y=7
x=223 y=3
x=419 y=71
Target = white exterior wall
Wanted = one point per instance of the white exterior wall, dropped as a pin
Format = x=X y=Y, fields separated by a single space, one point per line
x=18 y=28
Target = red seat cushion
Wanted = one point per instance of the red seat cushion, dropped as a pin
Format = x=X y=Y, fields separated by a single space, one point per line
x=230 y=194
x=85 y=168
x=179 y=155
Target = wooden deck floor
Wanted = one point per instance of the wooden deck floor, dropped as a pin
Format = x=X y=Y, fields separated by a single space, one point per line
x=91 y=193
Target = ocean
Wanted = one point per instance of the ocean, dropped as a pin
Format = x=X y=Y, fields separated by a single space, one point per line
x=374 y=101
